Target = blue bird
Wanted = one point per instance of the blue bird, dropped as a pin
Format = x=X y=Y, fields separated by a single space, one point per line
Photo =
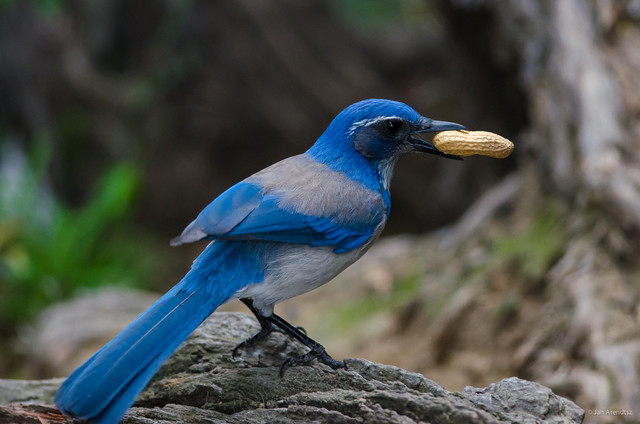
x=283 y=231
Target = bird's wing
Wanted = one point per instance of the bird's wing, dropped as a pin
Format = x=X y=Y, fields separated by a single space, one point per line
x=249 y=212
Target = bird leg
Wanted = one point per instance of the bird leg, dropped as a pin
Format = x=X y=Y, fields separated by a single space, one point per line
x=265 y=329
x=317 y=350
x=275 y=322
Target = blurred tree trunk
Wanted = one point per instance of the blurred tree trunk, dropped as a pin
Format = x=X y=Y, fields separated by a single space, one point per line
x=579 y=66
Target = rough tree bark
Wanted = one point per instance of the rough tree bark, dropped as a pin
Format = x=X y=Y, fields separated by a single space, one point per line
x=202 y=383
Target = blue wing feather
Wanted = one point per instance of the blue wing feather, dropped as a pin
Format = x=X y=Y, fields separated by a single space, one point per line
x=229 y=209
x=245 y=212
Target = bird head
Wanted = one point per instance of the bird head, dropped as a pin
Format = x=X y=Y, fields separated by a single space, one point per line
x=378 y=131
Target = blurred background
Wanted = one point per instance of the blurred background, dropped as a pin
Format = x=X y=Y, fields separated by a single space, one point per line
x=120 y=120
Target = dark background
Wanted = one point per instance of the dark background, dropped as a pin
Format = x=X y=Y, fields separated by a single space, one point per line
x=199 y=95
x=158 y=107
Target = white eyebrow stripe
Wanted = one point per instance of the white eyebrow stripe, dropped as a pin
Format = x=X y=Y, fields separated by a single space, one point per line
x=368 y=122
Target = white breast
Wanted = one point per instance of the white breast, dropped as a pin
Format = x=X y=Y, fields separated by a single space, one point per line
x=295 y=270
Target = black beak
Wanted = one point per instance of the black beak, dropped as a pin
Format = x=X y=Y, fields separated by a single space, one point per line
x=429 y=125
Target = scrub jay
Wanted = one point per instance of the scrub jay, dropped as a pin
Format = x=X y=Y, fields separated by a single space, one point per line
x=281 y=232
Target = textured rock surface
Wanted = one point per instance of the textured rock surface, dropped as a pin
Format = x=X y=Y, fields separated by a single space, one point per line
x=203 y=383
x=68 y=333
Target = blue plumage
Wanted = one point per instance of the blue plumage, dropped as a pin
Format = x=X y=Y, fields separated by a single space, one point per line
x=281 y=232
x=107 y=384
x=230 y=208
x=260 y=208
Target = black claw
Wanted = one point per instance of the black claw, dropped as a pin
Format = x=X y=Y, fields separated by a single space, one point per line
x=318 y=353
x=274 y=322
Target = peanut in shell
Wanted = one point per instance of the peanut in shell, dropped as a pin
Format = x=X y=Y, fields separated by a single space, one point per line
x=467 y=143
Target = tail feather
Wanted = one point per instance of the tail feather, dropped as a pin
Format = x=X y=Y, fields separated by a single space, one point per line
x=104 y=387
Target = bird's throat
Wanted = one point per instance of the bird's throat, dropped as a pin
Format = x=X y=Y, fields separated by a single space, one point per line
x=385 y=171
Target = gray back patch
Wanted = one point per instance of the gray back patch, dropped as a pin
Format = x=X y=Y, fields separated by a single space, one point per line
x=306 y=186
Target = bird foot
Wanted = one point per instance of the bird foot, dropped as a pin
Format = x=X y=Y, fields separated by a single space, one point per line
x=317 y=352
x=251 y=341
x=264 y=332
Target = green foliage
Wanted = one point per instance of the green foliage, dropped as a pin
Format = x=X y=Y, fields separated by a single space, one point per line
x=509 y=306
x=46 y=7
x=533 y=251
x=48 y=250
x=49 y=6
x=384 y=14
x=363 y=309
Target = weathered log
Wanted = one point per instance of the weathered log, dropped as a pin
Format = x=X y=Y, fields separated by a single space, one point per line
x=202 y=382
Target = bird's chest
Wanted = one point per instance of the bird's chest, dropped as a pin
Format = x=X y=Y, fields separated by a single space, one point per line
x=297 y=269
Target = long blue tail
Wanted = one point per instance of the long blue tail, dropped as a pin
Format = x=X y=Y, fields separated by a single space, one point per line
x=104 y=387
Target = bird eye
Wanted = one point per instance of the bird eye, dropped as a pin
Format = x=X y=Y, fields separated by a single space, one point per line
x=393 y=126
